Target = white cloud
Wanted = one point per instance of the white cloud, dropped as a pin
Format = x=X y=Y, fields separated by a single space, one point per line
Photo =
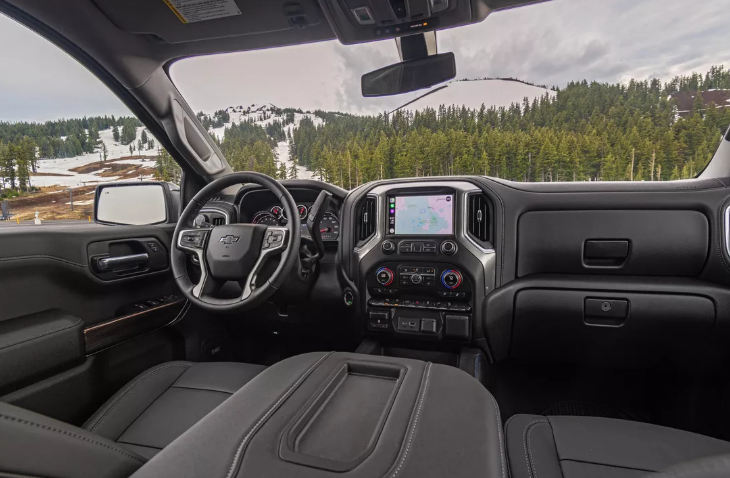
x=550 y=43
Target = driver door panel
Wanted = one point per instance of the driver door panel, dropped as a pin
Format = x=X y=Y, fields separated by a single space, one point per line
x=83 y=329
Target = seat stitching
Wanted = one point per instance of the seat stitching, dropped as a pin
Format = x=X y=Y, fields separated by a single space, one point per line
x=42 y=334
x=506 y=427
x=528 y=431
x=415 y=421
x=499 y=433
x=132 y=386
x=525 y=445
x=70 y=434
x=608 y=465
x=254 y=429
x=140 y=445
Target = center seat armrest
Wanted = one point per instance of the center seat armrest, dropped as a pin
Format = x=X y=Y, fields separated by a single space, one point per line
x=318 y=414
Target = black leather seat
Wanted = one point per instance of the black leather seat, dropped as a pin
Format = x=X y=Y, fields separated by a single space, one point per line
x=163 y=402
x=577 y=447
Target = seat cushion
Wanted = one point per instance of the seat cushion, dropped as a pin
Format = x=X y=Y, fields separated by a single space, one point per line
x=576 y=447
x=163 y=402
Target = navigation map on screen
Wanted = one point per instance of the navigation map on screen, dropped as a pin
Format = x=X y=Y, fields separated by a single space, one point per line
x=422 y=214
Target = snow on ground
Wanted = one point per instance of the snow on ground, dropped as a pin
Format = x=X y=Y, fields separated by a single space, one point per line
x=474 y=93
x=57 y=172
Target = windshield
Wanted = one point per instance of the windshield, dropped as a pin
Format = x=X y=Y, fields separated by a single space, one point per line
x=570 y=90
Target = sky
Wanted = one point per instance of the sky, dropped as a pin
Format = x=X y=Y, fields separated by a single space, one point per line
x=550 y=43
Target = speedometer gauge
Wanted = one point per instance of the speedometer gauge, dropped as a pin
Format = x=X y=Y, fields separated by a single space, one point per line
x=302 y=211
x=329 y=227
x=277 y=211
x=265 y=218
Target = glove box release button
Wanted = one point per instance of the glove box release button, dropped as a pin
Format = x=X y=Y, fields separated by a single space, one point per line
x=606 y=308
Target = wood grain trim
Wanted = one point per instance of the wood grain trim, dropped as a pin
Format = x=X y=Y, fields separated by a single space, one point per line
x=120 y=329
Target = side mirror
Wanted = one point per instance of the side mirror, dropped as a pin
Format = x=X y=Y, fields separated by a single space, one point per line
x=134 y=203
x=409 y=75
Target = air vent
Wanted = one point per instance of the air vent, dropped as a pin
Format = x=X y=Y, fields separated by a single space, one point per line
x=478 y=219
x=219 y=221
x=366 y=219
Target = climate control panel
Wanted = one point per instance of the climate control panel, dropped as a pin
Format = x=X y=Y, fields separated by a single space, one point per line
x=420 y=300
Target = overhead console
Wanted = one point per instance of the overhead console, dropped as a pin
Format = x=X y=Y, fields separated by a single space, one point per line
x=357 y=21
x=423 y=259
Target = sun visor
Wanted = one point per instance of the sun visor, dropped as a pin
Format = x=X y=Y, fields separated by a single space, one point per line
x=180 y=21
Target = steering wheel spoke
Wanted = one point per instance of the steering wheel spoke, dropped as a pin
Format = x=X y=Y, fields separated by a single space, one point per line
x=192 y=241
x=275 y=242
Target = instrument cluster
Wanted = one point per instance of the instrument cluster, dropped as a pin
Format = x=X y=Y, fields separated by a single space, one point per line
x=276 y=216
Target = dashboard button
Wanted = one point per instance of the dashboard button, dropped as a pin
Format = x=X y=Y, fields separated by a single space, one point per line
x=451 y=279
x=448 y=247
x=428 y=326
x=384 y=276
x=416 y=279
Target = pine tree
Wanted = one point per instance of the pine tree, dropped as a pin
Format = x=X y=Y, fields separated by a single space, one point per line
x=115 y=133
x=144 y=138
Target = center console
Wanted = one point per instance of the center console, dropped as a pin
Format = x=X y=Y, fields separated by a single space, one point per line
x=339 y=414
x=429 y=262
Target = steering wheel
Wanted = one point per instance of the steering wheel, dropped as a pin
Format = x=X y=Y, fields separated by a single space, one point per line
x=234 y=252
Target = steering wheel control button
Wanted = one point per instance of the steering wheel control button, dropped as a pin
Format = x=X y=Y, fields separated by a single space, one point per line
x=384 y=276
x=449 y=248
x=273 y=239
x=451 y=279
x=192 y=238
x=388 y=247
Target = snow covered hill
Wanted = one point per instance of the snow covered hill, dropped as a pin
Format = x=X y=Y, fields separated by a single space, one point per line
x=474 y=93
x=69 y=172
x=263 y=115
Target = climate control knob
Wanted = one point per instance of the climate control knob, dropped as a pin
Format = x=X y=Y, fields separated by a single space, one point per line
x=416 y=279
x=384 y=276
x=448 y=248
x=387 y=247
x=451 y=279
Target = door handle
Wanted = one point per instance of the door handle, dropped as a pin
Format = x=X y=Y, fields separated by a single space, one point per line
x=121 y=262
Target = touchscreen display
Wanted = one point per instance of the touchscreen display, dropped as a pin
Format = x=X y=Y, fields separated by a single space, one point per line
x=425 y=215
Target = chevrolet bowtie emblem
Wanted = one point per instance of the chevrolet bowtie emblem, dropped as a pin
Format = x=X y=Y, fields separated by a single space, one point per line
x=229 y=239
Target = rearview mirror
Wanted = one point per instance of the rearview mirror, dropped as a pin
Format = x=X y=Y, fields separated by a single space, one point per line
x=133 y=203
x=409 y=75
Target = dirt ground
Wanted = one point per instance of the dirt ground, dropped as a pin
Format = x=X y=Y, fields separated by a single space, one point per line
x=52 y=202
